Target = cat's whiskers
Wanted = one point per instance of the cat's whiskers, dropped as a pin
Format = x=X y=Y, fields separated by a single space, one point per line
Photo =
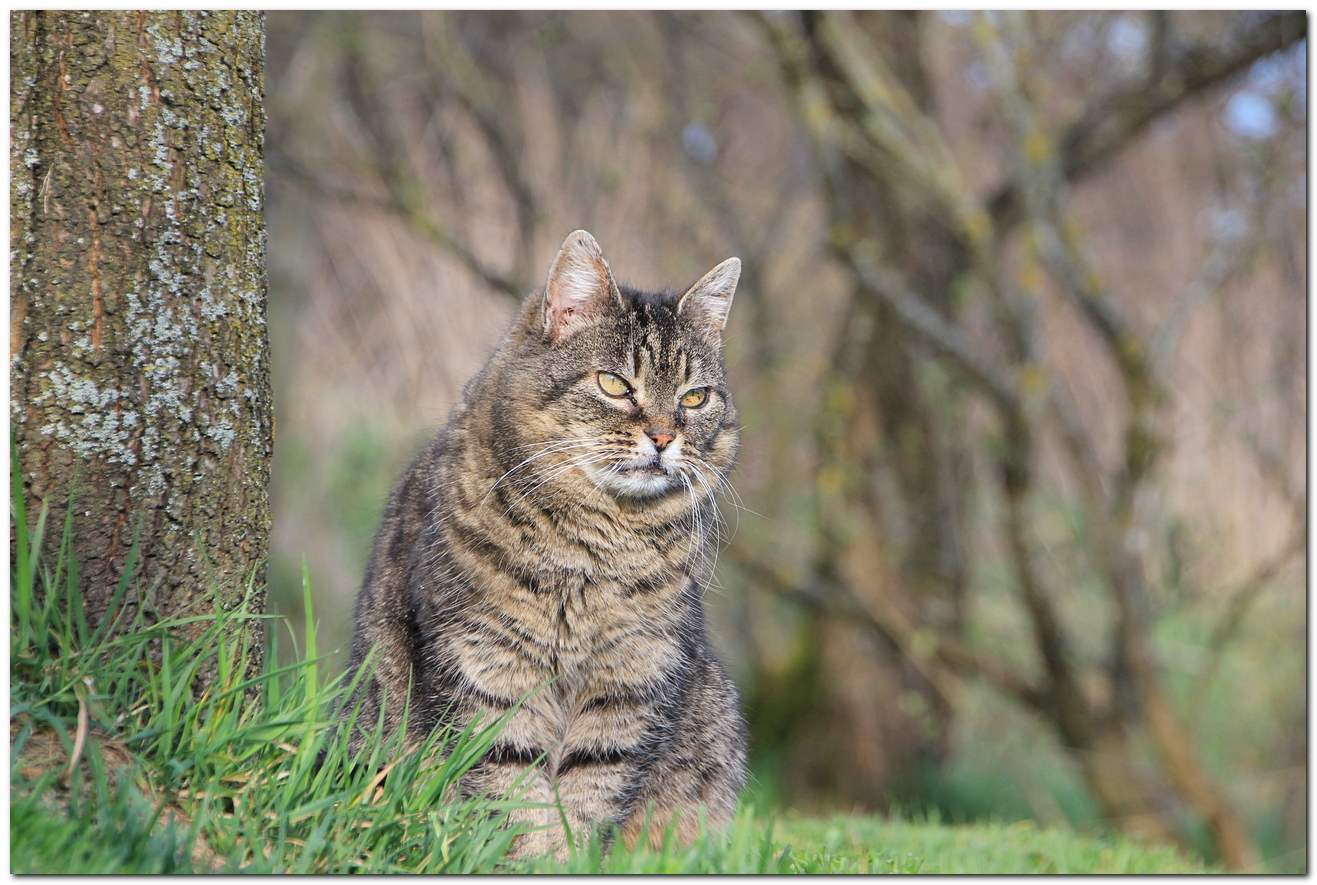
x=598 y=483
x=719 y=523
x=617 y=459
x=547 y=449
x=691 y=468
x=600 y=454
x=591 y=457
x=554 y=442
x=540 y=477
x=730 y=495
x=550 y=448
x=695 y=533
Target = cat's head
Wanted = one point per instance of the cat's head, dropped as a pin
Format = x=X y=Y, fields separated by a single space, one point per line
x=622 y=387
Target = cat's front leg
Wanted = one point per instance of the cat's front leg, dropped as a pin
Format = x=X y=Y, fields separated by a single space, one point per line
x=567 y=823
x=554 y=812
x=694 y=778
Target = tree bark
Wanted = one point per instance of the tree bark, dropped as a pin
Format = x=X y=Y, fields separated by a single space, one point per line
x=138 y=350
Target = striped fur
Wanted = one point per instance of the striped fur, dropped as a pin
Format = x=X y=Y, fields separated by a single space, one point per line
x=556 y=534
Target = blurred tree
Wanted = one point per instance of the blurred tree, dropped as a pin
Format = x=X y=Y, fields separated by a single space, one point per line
x=884 y=719
x=139 y=357
x=907 y=225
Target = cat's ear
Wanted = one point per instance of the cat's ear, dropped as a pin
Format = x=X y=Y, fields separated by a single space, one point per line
x=709 y=300
x=580 y=286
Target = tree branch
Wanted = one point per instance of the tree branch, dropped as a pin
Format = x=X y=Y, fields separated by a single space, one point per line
x=892 y=129
x=470 y=86
x=1039 y=176
x=419 y=219
x=1041 y=181
x=1241 y=600
x=921 y=645
x=917 y=316
x=749 y=241
x=367 y=97
x=1115 y=119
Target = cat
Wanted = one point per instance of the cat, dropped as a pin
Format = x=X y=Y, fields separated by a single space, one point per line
x=555 y=536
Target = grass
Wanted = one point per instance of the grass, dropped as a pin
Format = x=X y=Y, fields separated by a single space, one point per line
x=1021 y=847
x=118 y=765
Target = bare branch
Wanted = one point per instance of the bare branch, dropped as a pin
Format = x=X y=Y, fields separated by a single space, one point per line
x=1042 y=184
x=1159 y=47
x=1115 y=119
x=417 y=217
x=1065 y=701
x=915 y=313
x=1241 y=600
x=428 y=225
x=711 y=187
x=1272 y=468
x=1214 y=271
x=470 y=87
x=893 y=125
x=1038 y=174
x=366 y=95
x=938 y=656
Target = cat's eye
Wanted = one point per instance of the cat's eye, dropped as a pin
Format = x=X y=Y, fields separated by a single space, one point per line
x=613 y=385
x=693 y=399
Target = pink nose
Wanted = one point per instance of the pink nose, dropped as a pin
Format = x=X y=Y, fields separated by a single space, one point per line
x=660 y=438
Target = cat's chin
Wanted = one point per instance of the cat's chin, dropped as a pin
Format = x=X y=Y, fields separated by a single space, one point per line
x=638 y=483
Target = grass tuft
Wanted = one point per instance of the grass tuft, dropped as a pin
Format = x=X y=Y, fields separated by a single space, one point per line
x=119 y=764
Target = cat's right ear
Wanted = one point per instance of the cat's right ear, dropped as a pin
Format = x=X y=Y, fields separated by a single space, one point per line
x=580 y=286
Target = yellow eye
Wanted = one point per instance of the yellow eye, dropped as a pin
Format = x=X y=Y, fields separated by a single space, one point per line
x=693 y=399
x=613 y=385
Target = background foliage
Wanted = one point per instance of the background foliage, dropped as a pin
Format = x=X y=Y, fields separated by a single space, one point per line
x=1019 y=350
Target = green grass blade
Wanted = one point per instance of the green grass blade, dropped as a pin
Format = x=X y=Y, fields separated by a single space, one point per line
x=27 y=575
x=74 y=595
x=310 y=627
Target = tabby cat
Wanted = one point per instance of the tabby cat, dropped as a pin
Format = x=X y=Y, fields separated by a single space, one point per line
x=556 y=533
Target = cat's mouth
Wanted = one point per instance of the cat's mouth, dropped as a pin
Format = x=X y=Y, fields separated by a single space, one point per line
x=653 y=468
x=644 y=479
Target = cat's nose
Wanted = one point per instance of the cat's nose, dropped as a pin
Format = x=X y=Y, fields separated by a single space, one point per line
x=660 y=438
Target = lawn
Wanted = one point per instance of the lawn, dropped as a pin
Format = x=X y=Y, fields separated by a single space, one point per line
x=117 y=766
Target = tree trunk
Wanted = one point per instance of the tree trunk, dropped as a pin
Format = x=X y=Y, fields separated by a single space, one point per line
x=138 y=349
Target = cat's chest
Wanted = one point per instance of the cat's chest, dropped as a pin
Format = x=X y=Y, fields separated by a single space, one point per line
x=587 y=637
x=594 y=622
x=587 y=601
x=603 y=552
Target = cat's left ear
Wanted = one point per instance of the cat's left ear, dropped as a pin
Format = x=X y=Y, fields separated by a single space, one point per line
x=709 y=300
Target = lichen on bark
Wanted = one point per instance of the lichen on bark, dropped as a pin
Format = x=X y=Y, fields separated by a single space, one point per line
x=138 y=348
